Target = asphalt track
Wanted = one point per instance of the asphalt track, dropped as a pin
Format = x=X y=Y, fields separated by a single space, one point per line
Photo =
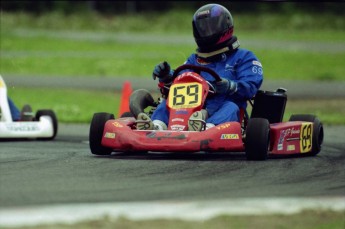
x=64 y=171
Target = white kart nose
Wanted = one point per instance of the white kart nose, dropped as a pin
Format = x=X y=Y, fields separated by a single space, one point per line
x=5 y=109
x=36 y=129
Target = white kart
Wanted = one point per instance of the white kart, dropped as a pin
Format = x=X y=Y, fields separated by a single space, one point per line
x=44 y=126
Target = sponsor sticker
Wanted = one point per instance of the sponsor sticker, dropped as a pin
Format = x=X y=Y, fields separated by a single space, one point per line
x=23 y=127
x=290 y=147
x=109 y=135
x=281 y=139
x=205 y=12
x=223 y=126
x=181 y=112
x=177 y=120
x=255 y=62
x=177 y=127
x=229 y=136
x=116 y=124
x=292 y=131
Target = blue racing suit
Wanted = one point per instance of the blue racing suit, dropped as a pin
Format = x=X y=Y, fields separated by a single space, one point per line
x=15 y=113
x=242 y=67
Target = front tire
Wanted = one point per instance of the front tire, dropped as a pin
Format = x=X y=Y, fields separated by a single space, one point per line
x=257 y=139
x=318 y=134
x=96 y=133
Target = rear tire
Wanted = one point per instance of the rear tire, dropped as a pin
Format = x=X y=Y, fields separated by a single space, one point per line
x=96 y=133
x=257 y=139
x=318 y=134
x=52 y=115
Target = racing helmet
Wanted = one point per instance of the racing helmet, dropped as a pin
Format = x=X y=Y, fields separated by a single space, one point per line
x=212 y=27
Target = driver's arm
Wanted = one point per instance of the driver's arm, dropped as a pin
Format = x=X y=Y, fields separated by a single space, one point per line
x=249 y=77
x=163 y=72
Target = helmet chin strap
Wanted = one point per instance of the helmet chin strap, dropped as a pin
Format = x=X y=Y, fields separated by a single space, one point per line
x=216 y=55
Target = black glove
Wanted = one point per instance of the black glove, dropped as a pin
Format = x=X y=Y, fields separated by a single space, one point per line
x=163 y=72
x=226 y=87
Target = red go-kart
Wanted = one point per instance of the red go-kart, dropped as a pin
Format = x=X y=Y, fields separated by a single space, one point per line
x=260 y=135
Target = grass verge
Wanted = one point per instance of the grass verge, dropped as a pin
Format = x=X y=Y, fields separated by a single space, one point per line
x=78 y=106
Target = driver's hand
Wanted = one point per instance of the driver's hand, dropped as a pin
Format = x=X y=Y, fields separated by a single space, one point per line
x=163 y=72
x=226 y=87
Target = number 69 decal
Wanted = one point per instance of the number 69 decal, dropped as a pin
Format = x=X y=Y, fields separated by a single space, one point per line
x=306 y=137
x=185 y=95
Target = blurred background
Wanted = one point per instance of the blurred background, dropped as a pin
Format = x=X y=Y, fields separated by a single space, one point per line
x=129 y=7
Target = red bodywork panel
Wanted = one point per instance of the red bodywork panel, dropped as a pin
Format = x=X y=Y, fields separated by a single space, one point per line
x=291 y=137
x=119 y=136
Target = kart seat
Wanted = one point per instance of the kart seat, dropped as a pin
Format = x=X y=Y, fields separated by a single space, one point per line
x=269 y=105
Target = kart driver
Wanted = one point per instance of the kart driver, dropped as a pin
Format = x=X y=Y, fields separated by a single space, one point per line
x=24 y=115
x=240 y=70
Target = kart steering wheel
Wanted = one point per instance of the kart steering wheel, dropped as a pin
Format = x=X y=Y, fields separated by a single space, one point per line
x=198 y=69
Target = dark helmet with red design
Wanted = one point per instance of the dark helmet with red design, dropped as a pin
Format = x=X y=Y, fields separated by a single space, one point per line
x=212 y=27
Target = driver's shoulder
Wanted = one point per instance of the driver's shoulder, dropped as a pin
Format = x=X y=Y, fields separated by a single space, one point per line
x=242 y=52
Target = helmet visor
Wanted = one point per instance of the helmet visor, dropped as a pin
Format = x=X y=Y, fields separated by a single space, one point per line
x=209 y=26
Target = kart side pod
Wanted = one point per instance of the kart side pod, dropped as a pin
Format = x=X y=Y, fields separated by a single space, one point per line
x=270 y=105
